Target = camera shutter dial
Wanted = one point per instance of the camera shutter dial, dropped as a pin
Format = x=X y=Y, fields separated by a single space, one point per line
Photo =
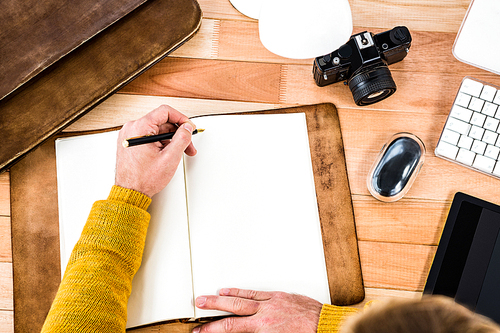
x=400 y=35
x=345 y=51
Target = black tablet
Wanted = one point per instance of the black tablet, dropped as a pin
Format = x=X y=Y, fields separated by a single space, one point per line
x=466 y=266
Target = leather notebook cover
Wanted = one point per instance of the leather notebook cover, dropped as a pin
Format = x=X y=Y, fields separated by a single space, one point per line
x=71 y=85
x=35 y=223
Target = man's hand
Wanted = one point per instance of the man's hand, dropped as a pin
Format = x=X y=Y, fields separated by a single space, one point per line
x=261 y=312
x=149 y=168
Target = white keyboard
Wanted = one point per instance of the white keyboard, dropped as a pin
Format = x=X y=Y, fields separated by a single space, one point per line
x=471 y=134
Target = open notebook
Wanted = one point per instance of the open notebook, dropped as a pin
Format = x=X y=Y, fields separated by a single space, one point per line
x=241 y=213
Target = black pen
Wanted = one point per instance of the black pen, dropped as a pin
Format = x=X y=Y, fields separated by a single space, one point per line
x=152 y=138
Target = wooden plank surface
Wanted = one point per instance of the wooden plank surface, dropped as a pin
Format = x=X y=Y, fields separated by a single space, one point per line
x=225 y=68
x=423 y=15
x=4 y=194
x=6 y=286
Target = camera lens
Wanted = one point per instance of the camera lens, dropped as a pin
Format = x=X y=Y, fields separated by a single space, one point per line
x=372 y=85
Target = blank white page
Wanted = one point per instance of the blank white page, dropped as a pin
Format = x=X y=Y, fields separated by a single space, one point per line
x=253 y=215
x=162 y=288
x=85 y=174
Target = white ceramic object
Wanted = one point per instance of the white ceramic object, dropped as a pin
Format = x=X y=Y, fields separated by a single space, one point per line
x=302 y=29
x=250 y=8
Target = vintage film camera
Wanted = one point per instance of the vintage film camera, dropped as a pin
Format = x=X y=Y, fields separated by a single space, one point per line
x=363 y=62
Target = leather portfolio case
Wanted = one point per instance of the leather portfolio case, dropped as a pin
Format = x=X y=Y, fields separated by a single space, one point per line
x=61 y=58
x=35 y=222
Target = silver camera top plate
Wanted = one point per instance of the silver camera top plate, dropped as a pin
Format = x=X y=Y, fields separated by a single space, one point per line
x=364 y=40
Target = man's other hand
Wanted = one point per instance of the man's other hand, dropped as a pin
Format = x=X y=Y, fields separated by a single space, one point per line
x=260 y=311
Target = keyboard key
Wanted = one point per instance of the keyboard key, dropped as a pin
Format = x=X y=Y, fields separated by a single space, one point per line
x=492 y=152
x=478 y=147
x=458 y=126
x=484 y=163
x=488 y=93
x=476 y=132
x=463 y=100
x=496 y=171
x=489 y=109
x=471 y=87
x=478 y=119
x=450 y=136
x=490 y=137
x=447 y=150
x=491 y=124
x=476 y=104
x=461 y=113
x=497 y=98
x=465 y=142
x=465 y=156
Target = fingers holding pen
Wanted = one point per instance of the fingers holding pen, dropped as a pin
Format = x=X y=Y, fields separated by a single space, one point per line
x=162 y=120
x=181 y=142
x=165 y=114
x=150 y=165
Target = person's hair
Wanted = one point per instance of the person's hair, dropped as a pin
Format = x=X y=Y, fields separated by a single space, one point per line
x=436 y=314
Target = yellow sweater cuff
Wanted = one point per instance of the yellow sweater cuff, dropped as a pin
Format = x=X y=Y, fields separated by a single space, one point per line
x=332 y=317
x=132 y=197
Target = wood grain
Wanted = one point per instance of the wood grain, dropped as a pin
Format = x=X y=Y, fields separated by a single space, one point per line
x=395 y=266
x=435 y=96
x=120 y=108
x=407 y=221
x=204 y=44
x=167 y=328
x=293 y=83
x=379 y=293
x=6 y=321
x=5 y=240
x=6 y=284
x=226 y=80
x=4 y=194
x=6 y=288
x=236 y=40
x=424 y=15
x=221 y=9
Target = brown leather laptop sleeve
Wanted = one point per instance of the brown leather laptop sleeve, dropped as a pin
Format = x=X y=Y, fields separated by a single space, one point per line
x=35 y=34
x=89 y=49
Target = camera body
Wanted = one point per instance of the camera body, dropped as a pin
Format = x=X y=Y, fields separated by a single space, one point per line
x=363 y=62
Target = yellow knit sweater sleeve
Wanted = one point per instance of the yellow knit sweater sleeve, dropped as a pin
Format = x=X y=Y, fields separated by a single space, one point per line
x=95 y=288
x=332 y=317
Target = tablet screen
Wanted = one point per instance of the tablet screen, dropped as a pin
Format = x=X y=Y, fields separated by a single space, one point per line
x=467 y=262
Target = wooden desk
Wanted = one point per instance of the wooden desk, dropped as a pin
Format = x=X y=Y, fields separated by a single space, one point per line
x=226 y=68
